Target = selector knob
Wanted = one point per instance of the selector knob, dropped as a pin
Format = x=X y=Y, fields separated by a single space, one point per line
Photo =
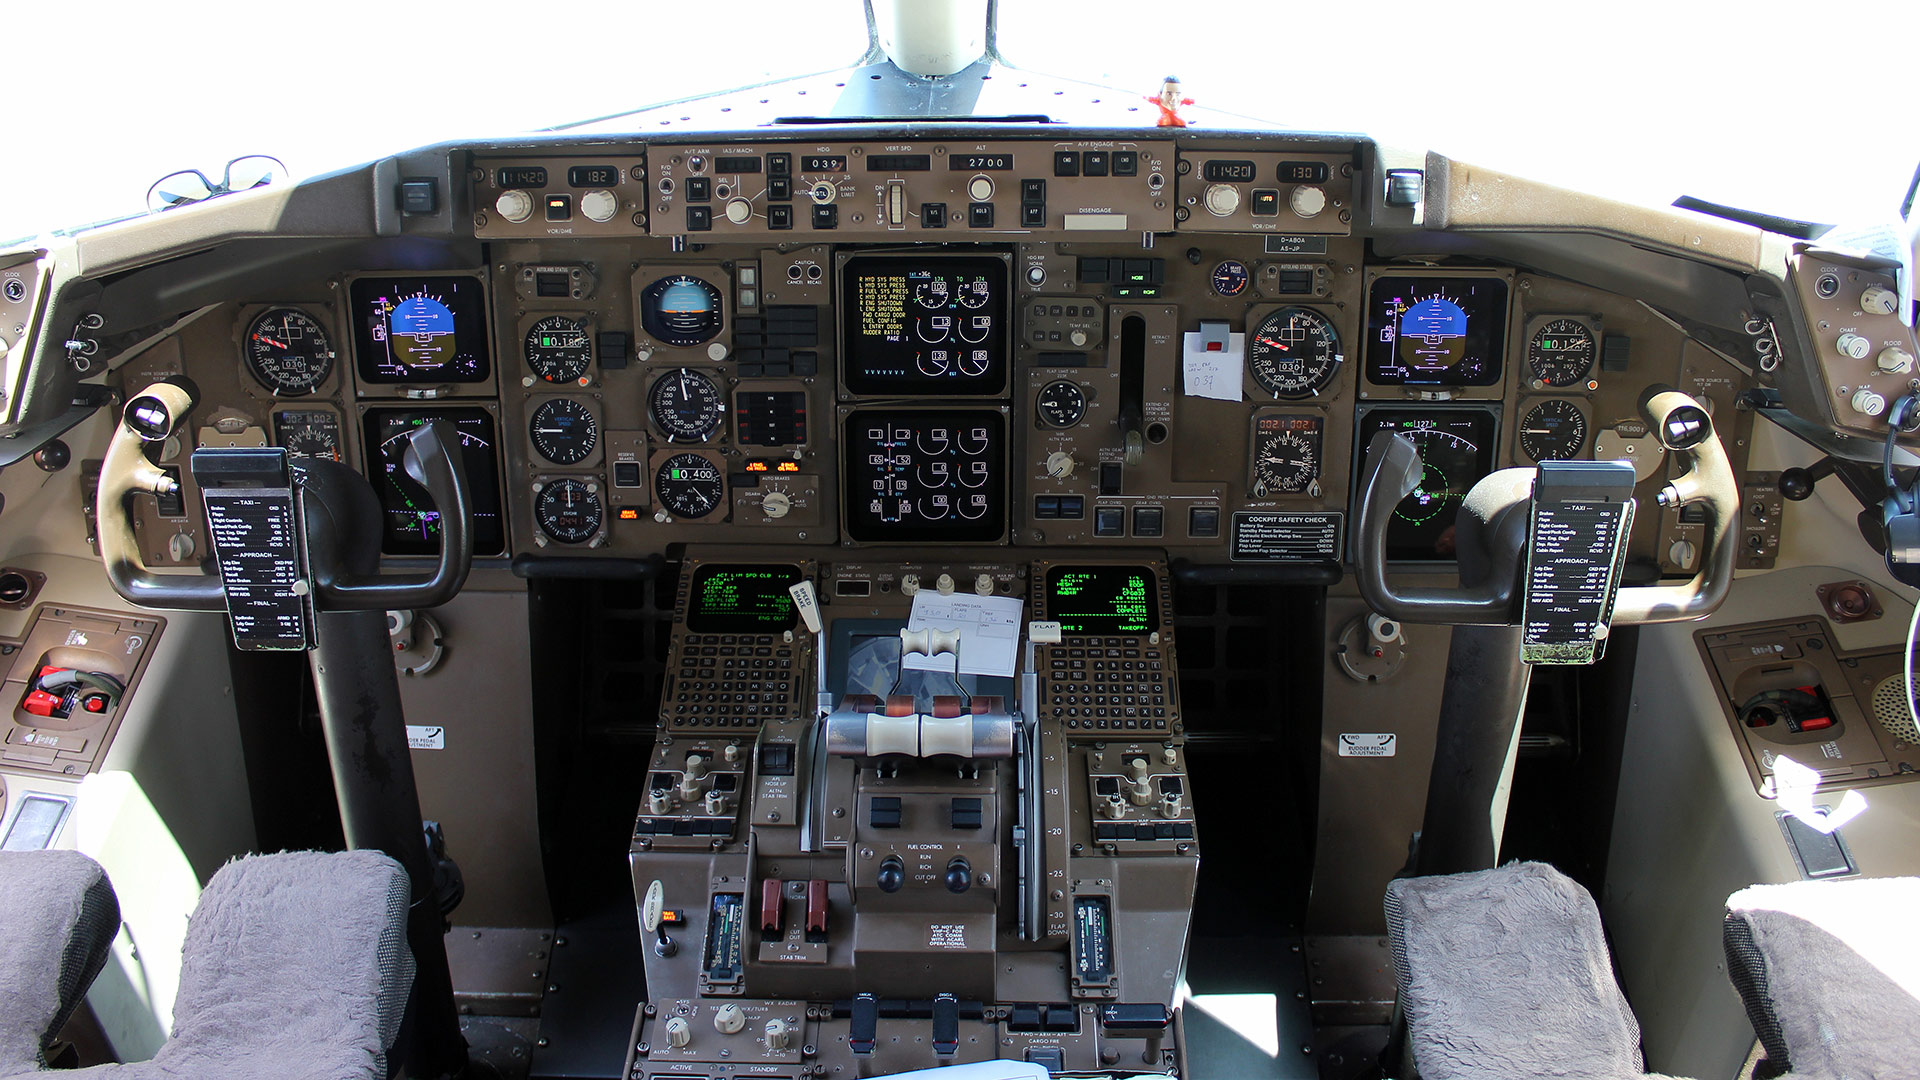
x=776 y=504
x=1168 y=755
x=823 y=193
x=1170 y=804
x=1222 y=199
x=1877 y=299
x=1060 y=464
x=983 y=585
x=729 y=1019
x=944 y=583
x=892 y=875
x=1867 y=403
x=909 y=584
x=180 y=546
x=779 y=1034
x=732 y=753
x=659 y=802
x=679 y=1032
x=1140 y=792
x=980 y=188
x=1853 y=345
x=516 y=205
x=1138 y=767
x=959 y=874
x=1077 y=338
x=739 y=211
x=696 y=766
x=1306 y=201
x=716 y=802
x=599 y=205
x=1894 y=360
x=1682 y=553
x=1115 y=807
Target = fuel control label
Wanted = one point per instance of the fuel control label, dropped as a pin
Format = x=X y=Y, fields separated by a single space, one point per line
x=1287 y=537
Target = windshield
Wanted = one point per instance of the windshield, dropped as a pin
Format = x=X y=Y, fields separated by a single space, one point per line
x=1793 y=109
x=323 y=87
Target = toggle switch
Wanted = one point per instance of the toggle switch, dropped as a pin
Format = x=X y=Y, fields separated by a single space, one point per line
x=817 y=906
x=772 y=908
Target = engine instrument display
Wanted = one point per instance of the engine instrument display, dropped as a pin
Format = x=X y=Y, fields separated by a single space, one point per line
x=420 y=329
x=689 y=485
x=559 y=350
x=1103 y=599
x=288 y=352
x=1286 y=454
x=563 y=430
x=412 y=523
x=686 y=406
x=1436 y=331
x=1456 y=449
x=742 y=599
x=924 y=325
x=1294 y=352
x=569 y=511
x=681 y=310
x=1560 y=353
x=925 y=475
x=308 y=433
x=1553 y=430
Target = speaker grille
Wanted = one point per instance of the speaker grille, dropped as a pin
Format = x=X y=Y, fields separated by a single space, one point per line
x=1890 y=710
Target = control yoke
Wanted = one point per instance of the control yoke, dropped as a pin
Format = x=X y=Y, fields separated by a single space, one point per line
x=1491 y=531
x=342 y=518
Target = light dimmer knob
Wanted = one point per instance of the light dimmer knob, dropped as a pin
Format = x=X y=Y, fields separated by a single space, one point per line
x=1853 y=345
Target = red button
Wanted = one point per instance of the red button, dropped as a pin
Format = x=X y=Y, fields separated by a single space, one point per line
x=1816 y=723
x=95 y=703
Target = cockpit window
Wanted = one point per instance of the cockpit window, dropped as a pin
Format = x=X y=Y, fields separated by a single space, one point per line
x=326 y=87
x=1794 y=109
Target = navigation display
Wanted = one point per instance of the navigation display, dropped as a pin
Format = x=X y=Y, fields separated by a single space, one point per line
x=1436 y=331
x=1456 y=446
x=925 y=474
x=411 y=522
x=924 y=325
x=420 y=329
x=742 y=600
x=1103 y=599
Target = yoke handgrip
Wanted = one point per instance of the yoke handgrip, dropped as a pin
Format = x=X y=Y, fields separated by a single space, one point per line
x=433 y=459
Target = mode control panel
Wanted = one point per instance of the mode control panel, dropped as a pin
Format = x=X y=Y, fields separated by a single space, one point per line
x=911 y=190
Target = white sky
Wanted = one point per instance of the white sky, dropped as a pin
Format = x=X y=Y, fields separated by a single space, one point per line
x=1801 y=109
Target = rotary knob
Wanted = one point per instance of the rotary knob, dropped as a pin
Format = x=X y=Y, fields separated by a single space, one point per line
x=1222 y=199
x=1877 y=299
x=983 y=584
x=980 y=188
x=729 y=1019
x=1138 y=768
x=1867 y=403
x=1854 y=346
x=738 y=211
x=944 y=584
x=1894 y=360
x=779 y=1034
x=679 y=1032
x=1307 y=201
x=1060 y=465
x=776 y=504
x=516 y=205
x=599 y=205
x=1114 y=807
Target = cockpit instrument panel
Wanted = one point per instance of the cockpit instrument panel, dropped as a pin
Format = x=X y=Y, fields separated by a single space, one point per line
x=1456 y=445
x=918 y=325
x=412 y=522
x=1103 y=600
x=1431 y=330
x=733 y=598
x=925 y=474
x=420 y=329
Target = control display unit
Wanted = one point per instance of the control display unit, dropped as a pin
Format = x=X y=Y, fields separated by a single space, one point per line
x=924 y=325
x=420 y=329
x=1103 y=599
x=742 y=599
x=1456 y=447
x=411 y=523
x=1436 y=331
x=925 y=474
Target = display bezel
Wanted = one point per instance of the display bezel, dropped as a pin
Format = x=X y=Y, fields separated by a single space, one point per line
x=860 y=527
x=1487 y=338
x=473 y=330
x=699 y=621
x=483 y=478
x=858 y=380
x=1366 y=425
x=1104 y=623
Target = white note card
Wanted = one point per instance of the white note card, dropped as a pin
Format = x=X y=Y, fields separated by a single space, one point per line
x=989 y=628
x=1212 y=374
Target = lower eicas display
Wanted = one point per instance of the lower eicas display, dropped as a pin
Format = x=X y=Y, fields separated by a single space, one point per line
x=924 y=325
x=925 y=474
x=1456 y=449
x=1102 y=599
x=420 y=329
x=411 y=522
x=737 y=599
x=1436 y=331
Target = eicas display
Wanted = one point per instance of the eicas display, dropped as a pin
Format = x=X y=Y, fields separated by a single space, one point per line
x=1456 y=450
x=925 y=474
x=924 y=325
x=1436 y=331
x=420 y=329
